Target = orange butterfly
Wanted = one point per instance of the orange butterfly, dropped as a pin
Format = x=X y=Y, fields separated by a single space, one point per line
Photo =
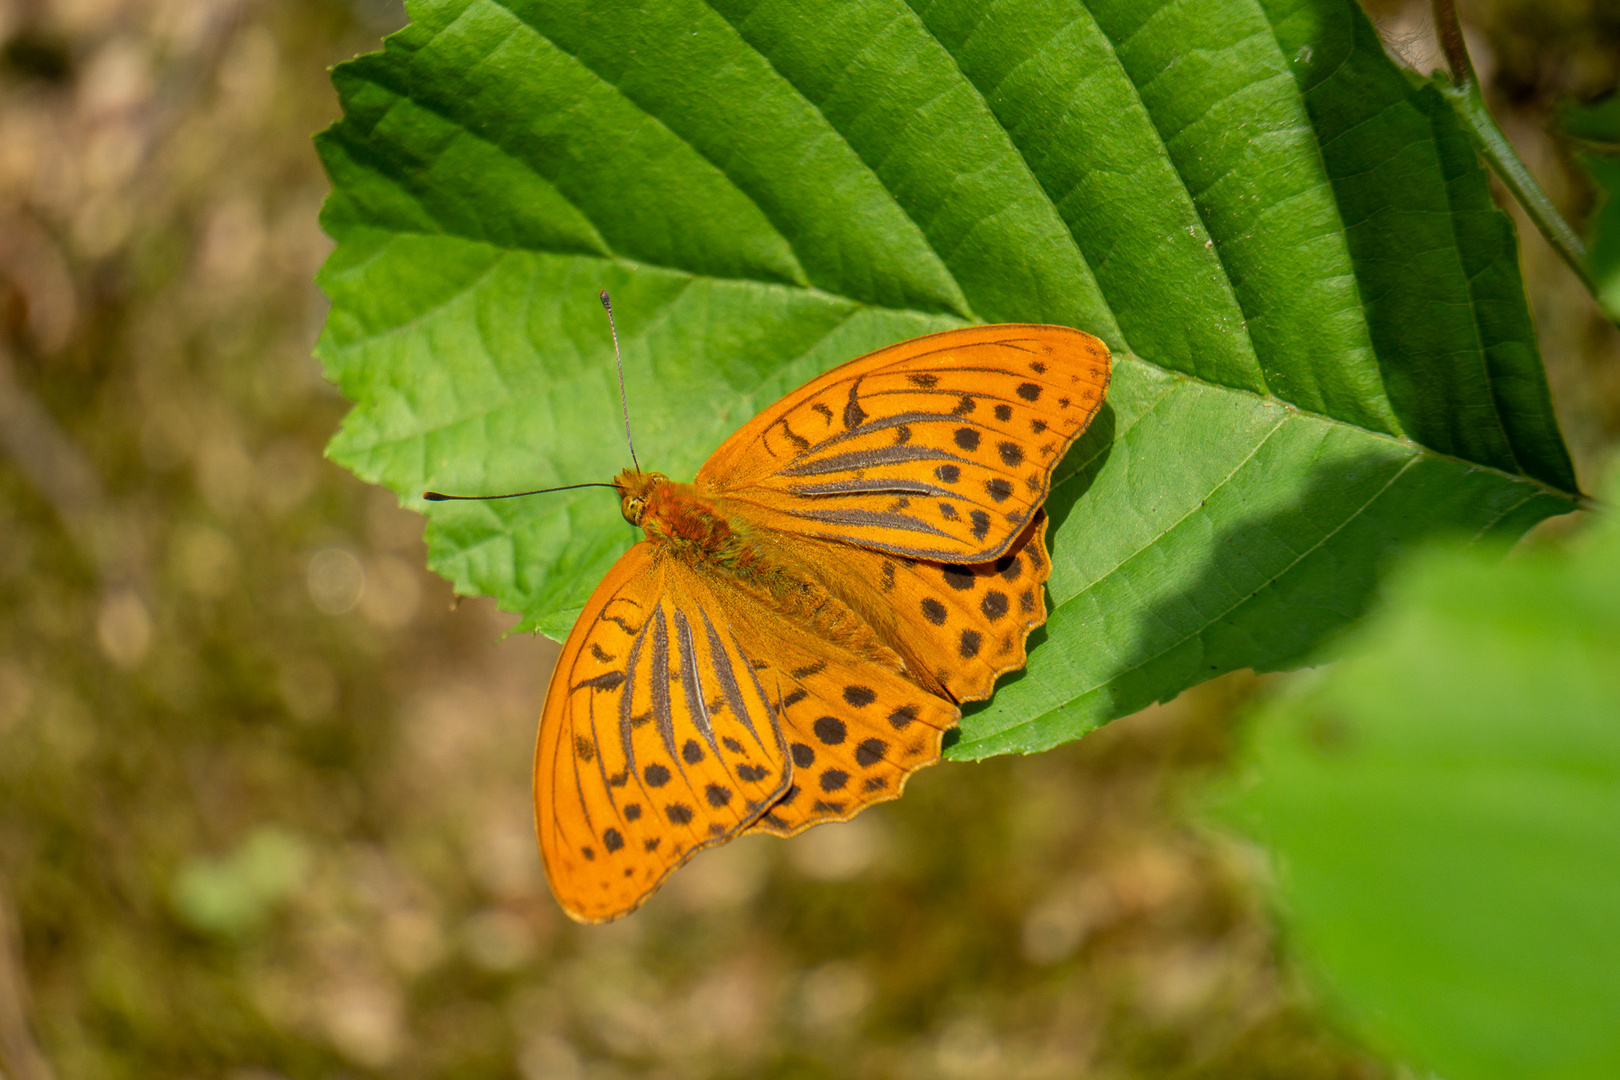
x=794 y=636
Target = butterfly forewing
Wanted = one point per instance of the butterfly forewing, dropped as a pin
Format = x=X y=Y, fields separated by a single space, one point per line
x=659 y=737
x=941 y=448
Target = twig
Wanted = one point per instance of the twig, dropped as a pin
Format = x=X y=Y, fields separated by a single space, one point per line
x=1469 y=104
x=20 y=1056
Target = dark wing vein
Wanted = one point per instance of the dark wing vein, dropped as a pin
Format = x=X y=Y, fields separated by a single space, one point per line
x=728 y=681
x=690 y=686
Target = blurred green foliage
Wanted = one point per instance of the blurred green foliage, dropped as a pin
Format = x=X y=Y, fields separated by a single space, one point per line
x=234 y=894
x=1444 y=809
x=1598 y=126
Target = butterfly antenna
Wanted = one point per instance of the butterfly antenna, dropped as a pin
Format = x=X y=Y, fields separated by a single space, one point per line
x=607 y=305
x=436 y=496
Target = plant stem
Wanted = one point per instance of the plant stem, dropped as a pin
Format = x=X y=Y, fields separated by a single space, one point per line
x=1468 y=101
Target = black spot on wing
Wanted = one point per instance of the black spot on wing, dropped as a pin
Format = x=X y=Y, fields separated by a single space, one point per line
x=968 y=647
x=870 y=752
x=829 y=729
x=854 y=415
x=833 y=779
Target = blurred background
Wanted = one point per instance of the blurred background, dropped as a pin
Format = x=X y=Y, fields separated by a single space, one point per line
x=264 y=787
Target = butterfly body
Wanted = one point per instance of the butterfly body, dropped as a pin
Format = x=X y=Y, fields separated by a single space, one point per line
x=681 y=523
x=802 y=622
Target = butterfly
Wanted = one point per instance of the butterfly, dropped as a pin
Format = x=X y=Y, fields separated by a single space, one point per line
x=801 y=624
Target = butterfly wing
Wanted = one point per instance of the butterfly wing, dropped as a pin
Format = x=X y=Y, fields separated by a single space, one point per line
x=855 y=725
x=939 y=448
x=658 y=737
x=958 y=627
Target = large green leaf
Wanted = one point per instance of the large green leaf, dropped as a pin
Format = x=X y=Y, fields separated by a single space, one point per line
x=1322 y=341
x=1445 y=812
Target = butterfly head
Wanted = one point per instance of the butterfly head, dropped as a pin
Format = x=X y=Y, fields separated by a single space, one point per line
x=635 y=488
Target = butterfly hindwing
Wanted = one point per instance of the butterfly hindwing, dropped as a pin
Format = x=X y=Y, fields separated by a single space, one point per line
x=941 y=448
x=658 y=738
x=957 y=626
x=855 y=728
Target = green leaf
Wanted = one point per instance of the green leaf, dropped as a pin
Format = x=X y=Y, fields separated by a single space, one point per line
x=1603 y=254
x=1599 y=125
x=1444 y=809
x=1323 y=349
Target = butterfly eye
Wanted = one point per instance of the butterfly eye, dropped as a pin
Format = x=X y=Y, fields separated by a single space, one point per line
x=634 y=506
